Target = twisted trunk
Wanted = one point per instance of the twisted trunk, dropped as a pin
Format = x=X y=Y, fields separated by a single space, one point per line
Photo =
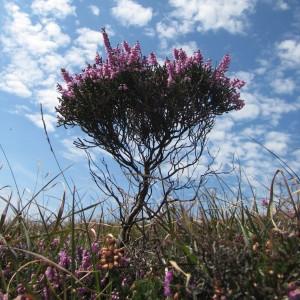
x=129 y=220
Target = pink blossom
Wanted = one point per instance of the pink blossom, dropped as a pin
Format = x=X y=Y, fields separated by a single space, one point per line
x=106 y=41
x=175 y=52
x=127 y=58
x=67 y=78
x=198 y=57
x=237 y=83
x=126 y=47
x=152 y=60
x=167 y=282
x=98 y=59
x=294 y=294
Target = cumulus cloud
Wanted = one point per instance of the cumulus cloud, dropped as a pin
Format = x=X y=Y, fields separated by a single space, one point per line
x=189 y=47
x=268 y=109
x=170 y=29
x=282 y=5
x=85 y=47
x=36 y=38
x=53 y=8
x=33 y=43
x=95 y=10
x=283 y=85
x=206 y=15
x=289 y=52
x=36 y=119
x=131 y=13
x=277 y=142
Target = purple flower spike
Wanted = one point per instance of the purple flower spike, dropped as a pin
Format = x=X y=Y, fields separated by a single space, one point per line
x=95 y=247
x=168 y=279
x=64 y=259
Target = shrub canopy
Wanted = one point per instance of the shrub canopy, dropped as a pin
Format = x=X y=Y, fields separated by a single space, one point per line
x=128 y=98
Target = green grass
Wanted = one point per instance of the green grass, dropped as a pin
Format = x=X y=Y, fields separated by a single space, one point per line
x=215 y=248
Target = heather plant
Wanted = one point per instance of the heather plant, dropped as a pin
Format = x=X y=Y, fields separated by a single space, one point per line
x=152 y=118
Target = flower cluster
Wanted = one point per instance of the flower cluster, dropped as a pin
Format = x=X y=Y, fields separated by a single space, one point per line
x=126 y=58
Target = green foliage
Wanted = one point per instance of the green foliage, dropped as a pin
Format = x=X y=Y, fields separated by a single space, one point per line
x=147 y=289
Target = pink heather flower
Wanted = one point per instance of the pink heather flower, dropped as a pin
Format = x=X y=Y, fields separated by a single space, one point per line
x=59 y=88
x=98 y=59
x=123 y=87
x=50 y=273
x=223 y=66
x=294 y=294
x=207 y=65
x=152 y=60
x=68 y=94
x=198 y=57
x=64 y=259
x=134 y=53
x=3 y=296
x=86 y=260
x=182 y=55
x=126 y=47
x=170 y=70
x=95 y=247
x=21 y=289
x=167 y=282
x=265 y=202
x=66 y=76
x=106 y=41
x=46 y=293
x=187 y=79
x=237 y=83
x=128 y=58
x=176 y=53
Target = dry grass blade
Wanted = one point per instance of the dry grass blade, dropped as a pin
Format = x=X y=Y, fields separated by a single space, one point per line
x=60 y=213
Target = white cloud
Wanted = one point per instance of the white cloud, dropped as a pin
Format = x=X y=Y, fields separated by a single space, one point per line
x=95 y=10
x=85 y=47
x=33 y=61
x=129 y=13
x=189 y=47
x=263 y=107
x=230 y=15
x=281 y=5
x=47 y=97
x=37 y=39
x=149 y=32
x=18 y=77
x=283 y=85
x=277 y=142
x=12 y=83
x=71 y=152
x=170 y=29
x=289 y=52
x=36 y=119
x=53 y=8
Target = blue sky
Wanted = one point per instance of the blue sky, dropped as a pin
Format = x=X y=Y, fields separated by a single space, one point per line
x=39 y=37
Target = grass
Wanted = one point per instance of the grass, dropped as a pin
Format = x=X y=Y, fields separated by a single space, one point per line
x=210 y=248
